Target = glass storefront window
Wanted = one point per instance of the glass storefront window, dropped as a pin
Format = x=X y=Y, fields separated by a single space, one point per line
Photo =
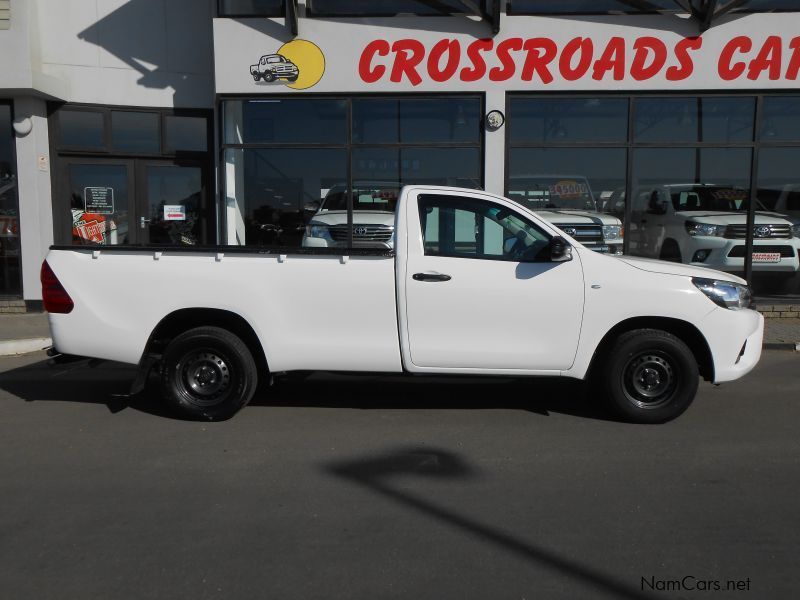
x=585 y=179
x=391 y=142
x=781 y=119
x=359 y=8
x=275 y=192
x=521 y=7
x=778 y=191
x=82 y=129
x=185 y=134
x=10 y=275
x=254 y=8
x=568 y=120
x=416 y=121
x=440 y=120
x=296 y=121
x=694 y=119
x=689 y=204
x=135 y=132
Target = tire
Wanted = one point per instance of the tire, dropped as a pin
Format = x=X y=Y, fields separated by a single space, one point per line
x=651 y=376
x=256 y=77
x=292 y=79
x=269 y=76
x=208 y=374
x=671 y=251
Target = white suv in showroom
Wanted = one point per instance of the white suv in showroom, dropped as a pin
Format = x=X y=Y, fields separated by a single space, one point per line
x=705 y=224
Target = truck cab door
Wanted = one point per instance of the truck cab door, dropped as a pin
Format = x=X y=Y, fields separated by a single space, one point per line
x=478 y=289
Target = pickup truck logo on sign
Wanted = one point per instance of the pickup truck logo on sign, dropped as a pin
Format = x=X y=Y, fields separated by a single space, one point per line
x=298 y=64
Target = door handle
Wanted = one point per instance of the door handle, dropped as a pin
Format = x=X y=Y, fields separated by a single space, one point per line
x=430 y=277
x=143 y=222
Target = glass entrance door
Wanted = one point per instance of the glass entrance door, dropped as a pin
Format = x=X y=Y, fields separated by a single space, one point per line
x=172 y=204
x=100 y=194
x=135 y=201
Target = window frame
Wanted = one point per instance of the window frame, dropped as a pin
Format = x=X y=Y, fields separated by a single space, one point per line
x=485 y=12
x=231 y=15
x=349 y=145
x=54 y=124
x=755 y=144
x=14 y=159
x=467 y=200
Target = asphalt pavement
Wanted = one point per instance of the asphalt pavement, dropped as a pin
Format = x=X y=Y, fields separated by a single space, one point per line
x=387 y=487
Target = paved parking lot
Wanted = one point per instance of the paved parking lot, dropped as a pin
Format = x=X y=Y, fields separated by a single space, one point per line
x=376 y=487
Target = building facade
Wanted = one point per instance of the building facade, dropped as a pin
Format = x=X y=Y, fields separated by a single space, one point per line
x=661 y=128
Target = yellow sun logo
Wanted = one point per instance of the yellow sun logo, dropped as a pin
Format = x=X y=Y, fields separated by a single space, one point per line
x=309 y=60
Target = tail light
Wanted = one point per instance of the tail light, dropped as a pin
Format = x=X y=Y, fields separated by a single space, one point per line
x=56 y=299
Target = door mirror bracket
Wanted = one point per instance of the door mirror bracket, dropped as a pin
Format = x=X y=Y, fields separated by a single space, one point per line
x=560 y=250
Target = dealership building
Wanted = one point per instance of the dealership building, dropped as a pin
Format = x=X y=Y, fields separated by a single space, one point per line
x=660 y=128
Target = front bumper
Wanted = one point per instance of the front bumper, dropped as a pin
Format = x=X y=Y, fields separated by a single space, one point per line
x=735 y=338
x=719 y=249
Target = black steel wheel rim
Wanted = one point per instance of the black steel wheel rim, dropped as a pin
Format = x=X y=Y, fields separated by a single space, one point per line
x=649 y=379
x=205 y=376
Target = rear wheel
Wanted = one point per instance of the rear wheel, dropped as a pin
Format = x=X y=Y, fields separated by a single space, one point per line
x=256 y=77
x=208 y=373
x=651 y=376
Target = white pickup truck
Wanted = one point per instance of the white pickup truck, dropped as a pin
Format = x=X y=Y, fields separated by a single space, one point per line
x=706 y=225
x=514 y=298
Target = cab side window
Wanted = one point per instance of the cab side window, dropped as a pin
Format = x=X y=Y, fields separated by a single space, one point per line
x=471 y=228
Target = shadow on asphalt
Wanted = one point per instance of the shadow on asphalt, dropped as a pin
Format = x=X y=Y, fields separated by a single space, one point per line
x=375 y=472
x=107 y=383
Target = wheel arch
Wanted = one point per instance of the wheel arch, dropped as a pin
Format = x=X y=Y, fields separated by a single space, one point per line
x=683 y=330
x=184 y=319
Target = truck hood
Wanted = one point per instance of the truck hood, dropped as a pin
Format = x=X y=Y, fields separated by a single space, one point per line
x=564 y=217
x=731 y=218
x=670 y=268
x=360 y=217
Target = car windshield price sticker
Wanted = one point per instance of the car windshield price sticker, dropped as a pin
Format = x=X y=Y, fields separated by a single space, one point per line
x=174 y=212
x=99 y=200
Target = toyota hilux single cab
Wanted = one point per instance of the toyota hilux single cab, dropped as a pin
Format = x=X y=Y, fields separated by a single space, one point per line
x=474 y=284
x=706 y=225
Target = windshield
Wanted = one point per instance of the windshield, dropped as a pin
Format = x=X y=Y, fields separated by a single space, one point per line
x=710 y=198
x=544 y=193
x=275 y=59
x=374 y=198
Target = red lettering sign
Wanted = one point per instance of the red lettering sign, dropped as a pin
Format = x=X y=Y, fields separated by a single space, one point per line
x=541 y=59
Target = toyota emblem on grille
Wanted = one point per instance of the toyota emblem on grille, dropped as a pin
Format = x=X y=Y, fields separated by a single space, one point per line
x=359 y=231
x=571 y=231
x=762 y=231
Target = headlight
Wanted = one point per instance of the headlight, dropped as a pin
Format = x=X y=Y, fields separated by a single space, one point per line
x=796 y=230
x=693 y=228
x=612 y=232
x=319 y=231
x=725 y=293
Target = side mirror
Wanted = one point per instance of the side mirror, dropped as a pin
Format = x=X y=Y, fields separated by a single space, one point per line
x=560 y=250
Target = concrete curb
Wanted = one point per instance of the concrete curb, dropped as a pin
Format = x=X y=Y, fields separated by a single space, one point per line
x=12 y=347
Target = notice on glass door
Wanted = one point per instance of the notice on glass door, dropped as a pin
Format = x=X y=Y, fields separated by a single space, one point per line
x=174 y=212
x=99 y=200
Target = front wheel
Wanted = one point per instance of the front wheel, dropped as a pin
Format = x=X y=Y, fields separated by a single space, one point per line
x=208 y=373
x=651 y=376
x=269 y=76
